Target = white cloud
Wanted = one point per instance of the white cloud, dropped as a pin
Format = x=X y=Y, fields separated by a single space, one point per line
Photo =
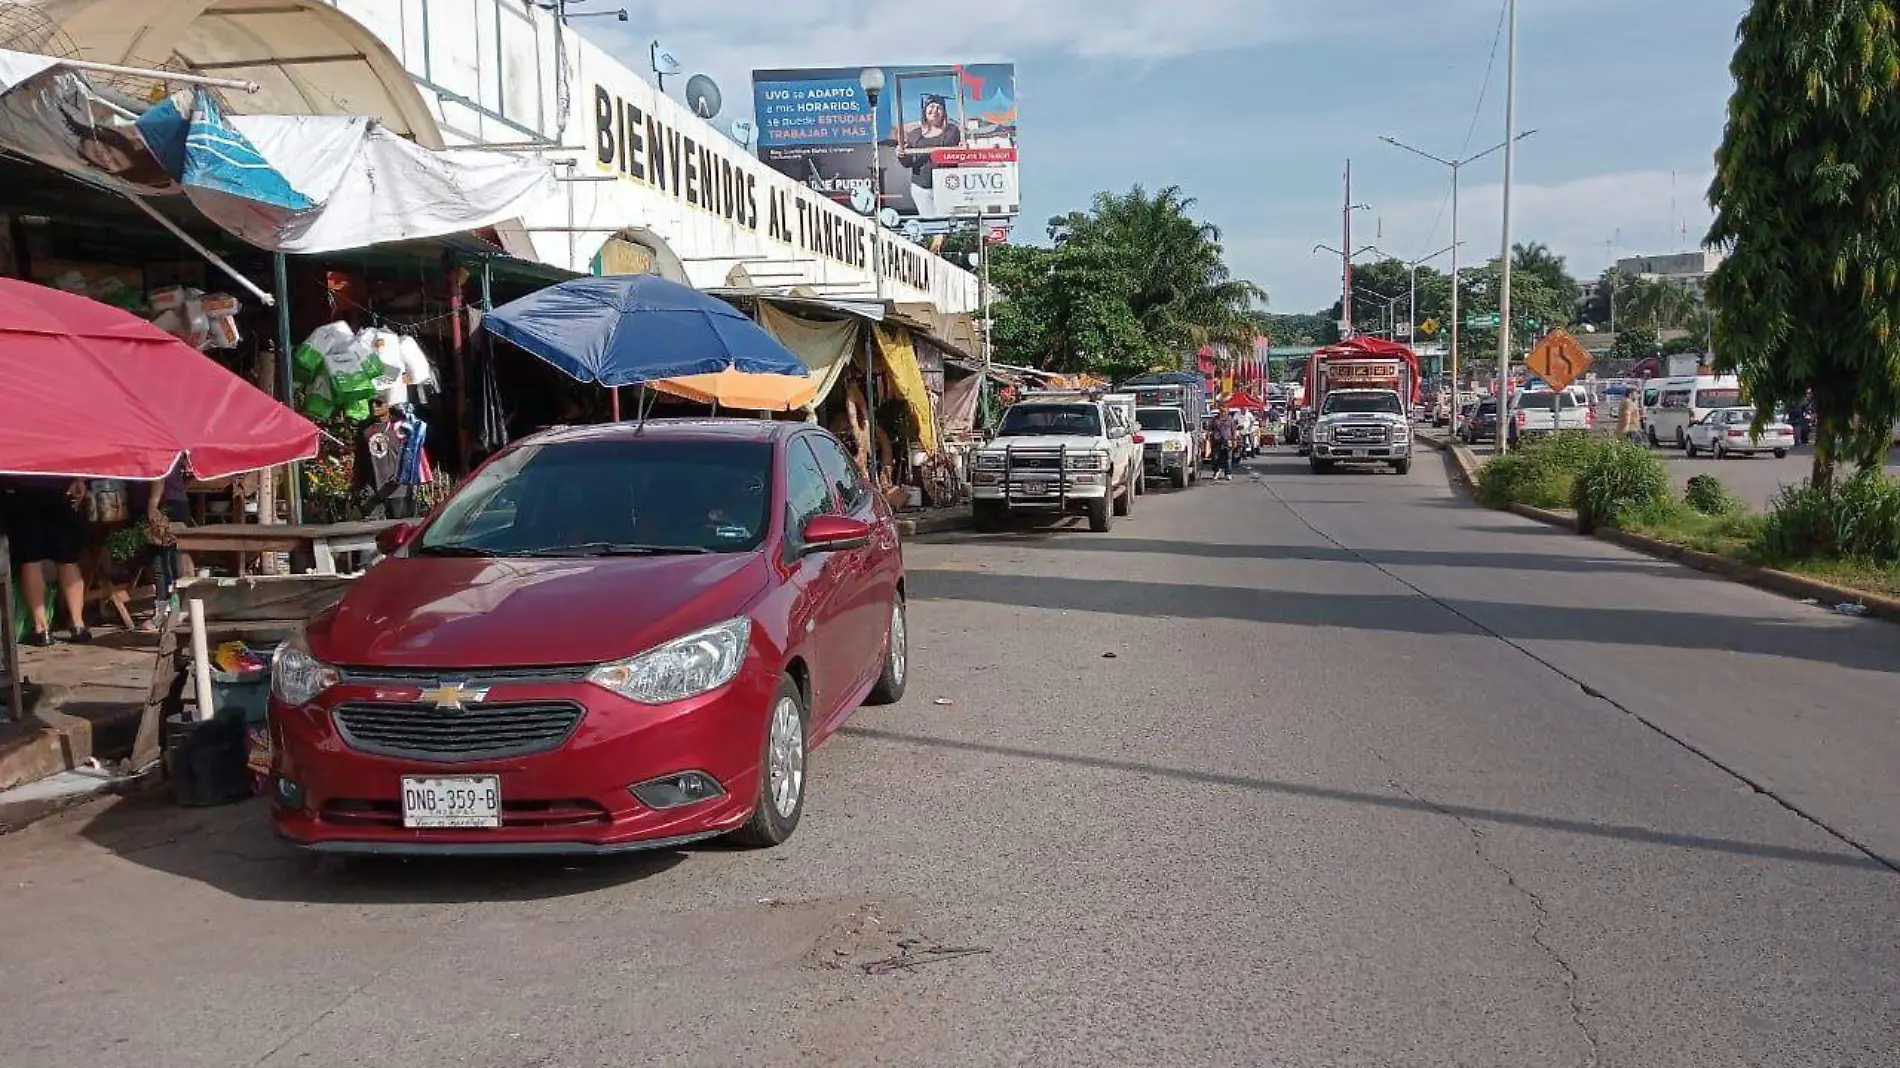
x=1635 y=212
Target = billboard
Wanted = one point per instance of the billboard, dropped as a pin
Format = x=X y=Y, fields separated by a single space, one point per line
x=946 y=136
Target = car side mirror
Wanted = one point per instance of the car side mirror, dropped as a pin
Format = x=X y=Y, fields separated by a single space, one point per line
x=832 y=533
x=390 y=539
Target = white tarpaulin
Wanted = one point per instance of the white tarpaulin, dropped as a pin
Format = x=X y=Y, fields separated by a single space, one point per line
x=288 y=183
x=323 y=183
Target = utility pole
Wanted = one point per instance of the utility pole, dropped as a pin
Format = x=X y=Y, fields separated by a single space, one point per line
x=1504 y=298
x=1345 y=260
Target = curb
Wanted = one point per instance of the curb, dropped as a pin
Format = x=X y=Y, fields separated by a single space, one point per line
x=936 y=524
x=1784 y=583
x=1461 y=458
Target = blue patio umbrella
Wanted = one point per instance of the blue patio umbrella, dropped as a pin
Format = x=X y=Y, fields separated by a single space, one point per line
x=624 y=330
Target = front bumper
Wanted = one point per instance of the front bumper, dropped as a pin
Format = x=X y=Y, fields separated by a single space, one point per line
x=1763 y=444
x=573 y=798
x=1323 y=450
x=1041 y=492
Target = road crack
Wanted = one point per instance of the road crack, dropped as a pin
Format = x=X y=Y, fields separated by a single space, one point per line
x=1787 y=804
x=1541 y=916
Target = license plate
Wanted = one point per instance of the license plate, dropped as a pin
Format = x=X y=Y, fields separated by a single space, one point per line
x=1360 y=452
x=1035 y=489
x=466 y=801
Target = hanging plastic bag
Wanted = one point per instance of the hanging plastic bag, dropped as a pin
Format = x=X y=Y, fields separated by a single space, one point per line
x=308 y=361
x=354 y=370
x=415 y=363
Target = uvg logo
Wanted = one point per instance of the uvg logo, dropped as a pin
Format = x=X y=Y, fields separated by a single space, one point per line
x=985 y=181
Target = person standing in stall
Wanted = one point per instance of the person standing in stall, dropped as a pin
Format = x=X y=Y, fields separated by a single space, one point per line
x=42 y=519
x=376 y=476
x=166 y=509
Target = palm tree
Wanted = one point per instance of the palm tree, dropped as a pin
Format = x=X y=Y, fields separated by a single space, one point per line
x=1658 y=303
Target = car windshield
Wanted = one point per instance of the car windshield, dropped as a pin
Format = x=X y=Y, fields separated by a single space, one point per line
x=1385 y=403
x=1717 y=398
x=1036 y=420
x=629 y=497
x=1160 y=419
x=1543 y=400
x=1738 y=415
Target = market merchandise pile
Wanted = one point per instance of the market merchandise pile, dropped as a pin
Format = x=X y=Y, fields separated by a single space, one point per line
x=340 y=371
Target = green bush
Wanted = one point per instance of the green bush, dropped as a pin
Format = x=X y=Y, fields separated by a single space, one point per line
x=1525 y=477
x=1618 y=479
x=1707 y=495
x=1867 y=518
x=1799 y=525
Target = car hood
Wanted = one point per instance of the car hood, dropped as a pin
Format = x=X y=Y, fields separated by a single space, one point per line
x=472 y=612
x=1150 y=437
x=1075 y=443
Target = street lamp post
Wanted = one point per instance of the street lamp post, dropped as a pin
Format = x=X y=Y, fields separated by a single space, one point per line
x=871 y=80
x=1390 y=303
x=1411 y=269
x=1504 y=297
x=1455 y=166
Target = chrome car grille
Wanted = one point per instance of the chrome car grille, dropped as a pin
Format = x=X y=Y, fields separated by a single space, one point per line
x=1043 y=462
x=492 y=676
x=448 y=736
x=1361 y=435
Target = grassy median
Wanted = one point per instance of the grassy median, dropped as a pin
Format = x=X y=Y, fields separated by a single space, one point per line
x=1849 y=535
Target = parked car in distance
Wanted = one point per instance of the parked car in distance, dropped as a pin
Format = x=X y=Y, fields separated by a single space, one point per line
x=1480 y=422
x=1167 y=449
x=1543 y=412
x=1671 y=404
x=1728 y=432
x=611 y=638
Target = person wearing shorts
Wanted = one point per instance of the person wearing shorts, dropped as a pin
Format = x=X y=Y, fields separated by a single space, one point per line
x=43 y=523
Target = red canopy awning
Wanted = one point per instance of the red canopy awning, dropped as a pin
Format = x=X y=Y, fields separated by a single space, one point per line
x=1243 y=402
x=91 y=391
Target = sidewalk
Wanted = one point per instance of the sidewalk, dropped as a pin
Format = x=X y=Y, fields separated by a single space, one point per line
x=83 y=705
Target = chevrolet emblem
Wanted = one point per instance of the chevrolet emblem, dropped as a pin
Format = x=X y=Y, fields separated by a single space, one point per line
x=450 y=696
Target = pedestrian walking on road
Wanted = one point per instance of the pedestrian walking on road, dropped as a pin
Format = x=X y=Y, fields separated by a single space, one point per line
x=1629 y=418
x=1226 y=440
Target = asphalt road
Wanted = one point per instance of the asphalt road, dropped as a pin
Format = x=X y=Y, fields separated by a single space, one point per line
x=1291 y=771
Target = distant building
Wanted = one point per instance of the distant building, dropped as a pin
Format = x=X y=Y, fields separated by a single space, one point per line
x=1691 y=269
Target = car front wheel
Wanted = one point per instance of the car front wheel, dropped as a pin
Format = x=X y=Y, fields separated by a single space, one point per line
x=781 y=797
x=890 y=684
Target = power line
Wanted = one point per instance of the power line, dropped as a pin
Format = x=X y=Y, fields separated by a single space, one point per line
x=1484 y=90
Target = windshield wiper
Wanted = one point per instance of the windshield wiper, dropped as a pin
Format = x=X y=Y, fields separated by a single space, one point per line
x=452 y=550
x=616 y=548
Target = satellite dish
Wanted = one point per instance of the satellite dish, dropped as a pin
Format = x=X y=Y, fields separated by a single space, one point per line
x=861 y=200
x=741 y=131
x=889 y=218
x=663 y=59
x=702 y=95
x=914 y=231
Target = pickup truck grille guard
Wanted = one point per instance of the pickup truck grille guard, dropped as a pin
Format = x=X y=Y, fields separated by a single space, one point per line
x=1038 y=455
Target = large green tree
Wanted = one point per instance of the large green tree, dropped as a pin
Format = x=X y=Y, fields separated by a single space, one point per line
x=1132 y=283
x=1807 y=200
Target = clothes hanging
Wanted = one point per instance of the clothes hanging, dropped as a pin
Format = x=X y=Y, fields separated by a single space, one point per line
x=412 y=470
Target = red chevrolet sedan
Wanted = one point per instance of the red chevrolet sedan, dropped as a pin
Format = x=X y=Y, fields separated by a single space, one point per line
x=612 y=638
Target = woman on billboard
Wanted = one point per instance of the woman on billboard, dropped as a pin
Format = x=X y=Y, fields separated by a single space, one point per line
x=933 y=131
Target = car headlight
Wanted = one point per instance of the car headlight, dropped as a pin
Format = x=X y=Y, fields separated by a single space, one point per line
x=684 y=667
x=1172 y=446
x=989 y=461
x=296 y=677
x=1089 y=461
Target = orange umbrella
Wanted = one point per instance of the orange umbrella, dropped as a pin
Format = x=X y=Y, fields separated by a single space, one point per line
x=744 y=390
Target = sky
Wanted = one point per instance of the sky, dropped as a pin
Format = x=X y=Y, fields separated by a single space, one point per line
x=1253 y=107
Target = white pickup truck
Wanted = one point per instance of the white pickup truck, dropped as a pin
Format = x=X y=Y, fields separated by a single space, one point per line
x=1057 y=456
x=1544 y=412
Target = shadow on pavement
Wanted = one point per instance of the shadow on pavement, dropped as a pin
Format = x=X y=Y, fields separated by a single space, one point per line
x=1512 y=561
x=1413 y=614
x=1401 y=802
x=232 y=848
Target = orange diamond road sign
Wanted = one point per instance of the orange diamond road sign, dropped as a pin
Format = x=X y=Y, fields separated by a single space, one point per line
x=1559 y=360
